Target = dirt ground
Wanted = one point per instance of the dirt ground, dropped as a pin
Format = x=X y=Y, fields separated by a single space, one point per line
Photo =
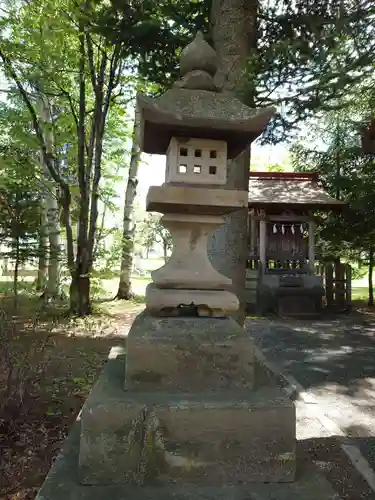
x=316 y=445
x=55 y=361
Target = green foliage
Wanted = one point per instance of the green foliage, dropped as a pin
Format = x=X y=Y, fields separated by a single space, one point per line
x=306 y=56
x=152 y=232
x=275 y=167
x=19 y=205
x=155 y=33
x=309 y=58
x=347 y=174
x=54 y=58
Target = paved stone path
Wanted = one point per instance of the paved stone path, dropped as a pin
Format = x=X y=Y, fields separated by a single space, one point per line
x=334 y=360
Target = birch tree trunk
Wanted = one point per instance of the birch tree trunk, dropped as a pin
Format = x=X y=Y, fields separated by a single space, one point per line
x=16 y=271
x=370 y=275
x=234 y=33
x=41 y=280
x=52 y=228
x=127 y=243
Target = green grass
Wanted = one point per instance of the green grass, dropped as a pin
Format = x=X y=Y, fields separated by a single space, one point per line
x=360 y=289
x=359 y=293
x=6 y=287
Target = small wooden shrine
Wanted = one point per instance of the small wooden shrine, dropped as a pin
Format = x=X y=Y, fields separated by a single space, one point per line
x=281 y=274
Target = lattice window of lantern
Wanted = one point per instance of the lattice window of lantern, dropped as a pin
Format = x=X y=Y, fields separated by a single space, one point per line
x=196 y=161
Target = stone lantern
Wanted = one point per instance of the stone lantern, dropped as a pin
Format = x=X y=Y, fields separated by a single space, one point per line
x=199 y=130
x=189 y=422
x=189 y=377
x=190 y=406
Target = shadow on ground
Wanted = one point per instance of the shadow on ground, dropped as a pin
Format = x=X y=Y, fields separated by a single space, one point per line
x=328 y=456
x=338 y=351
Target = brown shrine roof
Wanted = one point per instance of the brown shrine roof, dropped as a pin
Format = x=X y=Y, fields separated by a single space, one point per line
x=275 y=189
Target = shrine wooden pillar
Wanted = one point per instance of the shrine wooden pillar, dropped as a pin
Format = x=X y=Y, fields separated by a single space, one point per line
x=312 y=244
x=252 y=233
x=263 y=239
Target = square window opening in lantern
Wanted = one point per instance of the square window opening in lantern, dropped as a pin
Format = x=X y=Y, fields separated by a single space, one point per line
x=197 y=169
x=183 y=151
x=212 y=170
x=182 y=169
x=213 y=154
x=198 y=153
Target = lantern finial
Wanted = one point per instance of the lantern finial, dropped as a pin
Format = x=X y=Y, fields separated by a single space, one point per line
x=198 y=65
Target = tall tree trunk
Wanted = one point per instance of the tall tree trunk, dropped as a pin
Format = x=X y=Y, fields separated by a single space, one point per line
x=42 y=250
x=79 y=294
x=52 y=227
x=127 y=243
x=165 y=251
x=54 y=235
x=16 y=271
x=234 y=33
x=79 y=291
x=370 y=273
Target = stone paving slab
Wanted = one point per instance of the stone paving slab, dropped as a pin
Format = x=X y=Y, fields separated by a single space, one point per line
x=335 y=362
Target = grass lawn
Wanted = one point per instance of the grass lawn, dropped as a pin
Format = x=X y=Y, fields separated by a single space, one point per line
x=360 y=293
x=360 y=289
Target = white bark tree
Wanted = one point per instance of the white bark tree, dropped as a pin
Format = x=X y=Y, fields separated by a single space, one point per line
x=128 y=231
x=52 y=229
x=41 y=280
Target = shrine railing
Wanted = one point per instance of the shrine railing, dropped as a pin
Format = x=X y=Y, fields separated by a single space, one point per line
x=295 y=263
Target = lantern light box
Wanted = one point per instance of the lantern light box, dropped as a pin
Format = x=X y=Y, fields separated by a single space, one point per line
x=196 y=161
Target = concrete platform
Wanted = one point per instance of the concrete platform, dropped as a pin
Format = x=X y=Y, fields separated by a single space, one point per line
x=62 y=484
x=207 y=438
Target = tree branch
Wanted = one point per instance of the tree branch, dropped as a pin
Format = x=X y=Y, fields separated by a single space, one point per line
x=47 y=157
x=90 y=57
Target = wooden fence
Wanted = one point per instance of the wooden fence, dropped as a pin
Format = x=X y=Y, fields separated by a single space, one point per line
x=338 y=285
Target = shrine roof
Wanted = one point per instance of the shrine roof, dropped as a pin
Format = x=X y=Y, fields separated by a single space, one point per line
x=273 y=189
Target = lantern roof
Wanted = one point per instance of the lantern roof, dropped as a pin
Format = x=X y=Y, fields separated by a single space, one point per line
x=195 y=108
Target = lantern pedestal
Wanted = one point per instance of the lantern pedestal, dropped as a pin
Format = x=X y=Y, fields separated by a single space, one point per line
x=187 y=283
x=189 y=266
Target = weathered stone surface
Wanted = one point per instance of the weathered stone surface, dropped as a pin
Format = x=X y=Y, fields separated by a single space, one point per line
x=304 y=298
x=198 y=55
x=165 y=302
x=199 y=113
x=194 y=200
x=197 y=80
x=207 y=438
x=188 y=354
x=189 y=266
x=62 y=483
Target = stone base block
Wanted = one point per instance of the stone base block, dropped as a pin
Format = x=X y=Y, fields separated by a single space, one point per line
x=188 y=355
x=219 y=303
x=62 y=483
x=205 y=439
